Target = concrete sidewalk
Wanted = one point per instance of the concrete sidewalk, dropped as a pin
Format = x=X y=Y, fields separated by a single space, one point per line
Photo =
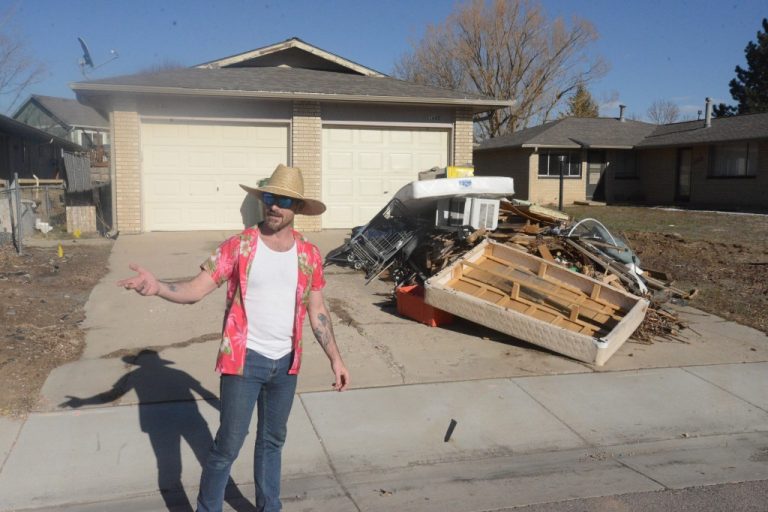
x=532 y=426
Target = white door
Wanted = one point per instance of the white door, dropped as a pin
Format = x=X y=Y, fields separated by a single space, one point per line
x=364 y=167
x=192 y=171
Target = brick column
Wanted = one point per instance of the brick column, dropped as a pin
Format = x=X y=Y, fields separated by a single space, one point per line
x=462 y=136
x=306 y=142
x=125 y=142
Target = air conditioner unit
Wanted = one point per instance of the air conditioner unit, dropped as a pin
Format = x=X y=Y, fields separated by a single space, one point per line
x=484 y=214
x=467 y=211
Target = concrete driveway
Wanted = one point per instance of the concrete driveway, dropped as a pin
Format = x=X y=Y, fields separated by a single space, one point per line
x=380 y=347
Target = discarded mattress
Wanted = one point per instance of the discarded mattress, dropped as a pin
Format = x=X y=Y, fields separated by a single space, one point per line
x=540 y=302
x=424 y=193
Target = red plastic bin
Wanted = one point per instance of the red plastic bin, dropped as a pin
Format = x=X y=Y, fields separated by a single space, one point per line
x=410 y=303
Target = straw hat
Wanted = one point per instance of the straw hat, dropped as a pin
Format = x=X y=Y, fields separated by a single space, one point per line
x=287 y=181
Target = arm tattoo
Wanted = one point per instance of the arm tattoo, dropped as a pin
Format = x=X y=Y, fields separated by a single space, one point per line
x=171 y=286
x=324 y=332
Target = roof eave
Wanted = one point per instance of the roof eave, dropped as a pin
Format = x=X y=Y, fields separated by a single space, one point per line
x=550 y=146
x=31 y=131
x=284 y=45
x=660 y=145
x=603 y=146
x=477 y=104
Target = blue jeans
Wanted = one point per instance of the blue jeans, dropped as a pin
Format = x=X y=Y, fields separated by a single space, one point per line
x=266 y=382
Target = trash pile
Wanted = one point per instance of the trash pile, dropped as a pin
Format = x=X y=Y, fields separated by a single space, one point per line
x=514 y=266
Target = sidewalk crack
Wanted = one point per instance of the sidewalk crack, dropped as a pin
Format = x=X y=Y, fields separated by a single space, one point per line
x=334 y=471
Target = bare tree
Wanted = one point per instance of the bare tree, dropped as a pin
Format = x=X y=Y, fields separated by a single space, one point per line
x=18 y=71
x=663 y=112
x=509 y=50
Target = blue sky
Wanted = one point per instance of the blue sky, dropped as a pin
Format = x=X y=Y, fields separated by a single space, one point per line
x=675 y=50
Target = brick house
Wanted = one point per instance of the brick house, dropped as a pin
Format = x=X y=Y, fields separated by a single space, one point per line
x=718 y=163
x=183 y=139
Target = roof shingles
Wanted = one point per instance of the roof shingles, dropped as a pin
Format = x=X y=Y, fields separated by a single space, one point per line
x=279 y=80
x=604 y=132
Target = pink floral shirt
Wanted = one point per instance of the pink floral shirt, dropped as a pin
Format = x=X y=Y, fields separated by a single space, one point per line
x=232 y=262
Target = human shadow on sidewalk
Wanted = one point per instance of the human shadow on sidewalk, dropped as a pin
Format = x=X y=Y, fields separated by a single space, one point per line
x=168 y=413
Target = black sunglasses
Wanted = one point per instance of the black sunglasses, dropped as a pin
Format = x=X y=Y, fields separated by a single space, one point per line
x=280 y=201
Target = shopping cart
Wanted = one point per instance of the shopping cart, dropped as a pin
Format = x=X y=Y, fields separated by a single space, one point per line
x=373 y=247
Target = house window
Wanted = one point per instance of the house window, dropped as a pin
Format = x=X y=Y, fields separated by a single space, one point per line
x=625 y=165
x=549 y=163
x=733 y=160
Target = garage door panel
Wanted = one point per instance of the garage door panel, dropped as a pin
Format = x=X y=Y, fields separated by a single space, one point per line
x=192 y=171
x=401 y=161
x=164 y=188
x=427 y=160
x=371 y=164
x=341 y=211
x=341 y=161
x=371 y=136
x=342 y=188
x=370 y=161
x=200 y=188
x=197 y=159
x=402 y=137
x=370 y=189
x=269 y=137
x=236 y=159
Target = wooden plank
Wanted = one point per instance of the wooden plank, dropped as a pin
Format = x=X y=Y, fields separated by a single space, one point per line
x=545 y=253
x=607 y=306
x=595 y=314
x=552 y=293
x=533 y=307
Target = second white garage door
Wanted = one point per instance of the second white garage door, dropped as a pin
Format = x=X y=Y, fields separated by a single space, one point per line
x=192 y=171
x=364 y=167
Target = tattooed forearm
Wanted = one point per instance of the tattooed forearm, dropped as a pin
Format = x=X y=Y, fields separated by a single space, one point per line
x=171 y=286
x=324 y=331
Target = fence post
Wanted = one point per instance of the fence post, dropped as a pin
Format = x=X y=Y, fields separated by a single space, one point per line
x=17 y=196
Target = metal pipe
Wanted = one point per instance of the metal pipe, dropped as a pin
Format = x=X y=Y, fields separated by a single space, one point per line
x=17 y=194
x=560 y=200
x=708 y=113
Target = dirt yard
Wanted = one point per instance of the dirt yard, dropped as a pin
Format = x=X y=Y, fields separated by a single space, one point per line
x=724 y=256
x=42 y=306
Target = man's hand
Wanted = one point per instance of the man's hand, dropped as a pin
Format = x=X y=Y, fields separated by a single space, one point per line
x=341 y=374
x=145 y=283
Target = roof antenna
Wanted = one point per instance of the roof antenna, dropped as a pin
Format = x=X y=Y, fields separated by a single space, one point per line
x=86 y=61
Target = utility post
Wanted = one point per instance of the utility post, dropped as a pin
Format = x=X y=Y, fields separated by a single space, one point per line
x=561 y=158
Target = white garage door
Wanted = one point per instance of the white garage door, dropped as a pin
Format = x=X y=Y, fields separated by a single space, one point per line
x=364 y=167
x=192 y=171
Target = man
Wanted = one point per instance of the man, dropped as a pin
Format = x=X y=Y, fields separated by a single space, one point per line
x=260 y=353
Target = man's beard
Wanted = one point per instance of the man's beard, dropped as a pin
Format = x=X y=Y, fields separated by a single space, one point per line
x=275 y=221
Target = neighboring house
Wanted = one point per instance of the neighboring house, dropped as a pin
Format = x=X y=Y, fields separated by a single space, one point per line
x=586 y=147
x=719 y=163
x=30 y=152
x=183 y=139
x=66 y=119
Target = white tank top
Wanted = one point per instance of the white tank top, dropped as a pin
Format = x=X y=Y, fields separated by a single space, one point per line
x=270 y=301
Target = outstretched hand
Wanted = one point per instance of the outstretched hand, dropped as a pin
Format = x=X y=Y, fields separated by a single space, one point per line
x=145 y=283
